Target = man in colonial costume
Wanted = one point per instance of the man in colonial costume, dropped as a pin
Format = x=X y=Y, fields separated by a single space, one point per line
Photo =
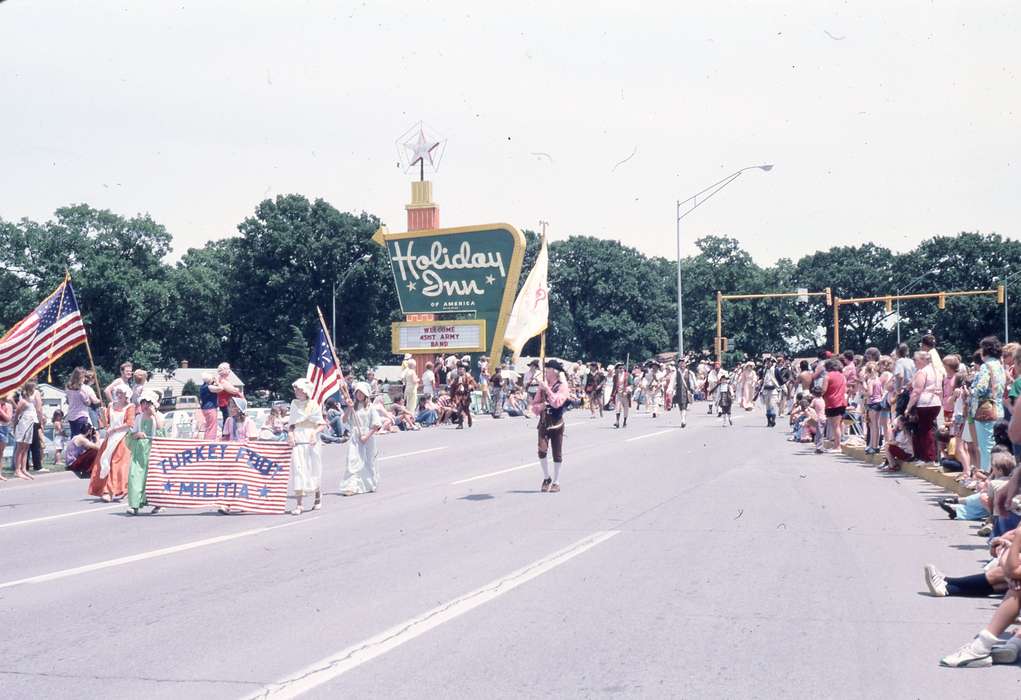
x=682 y=387
x=551 y=396
x=621 y=396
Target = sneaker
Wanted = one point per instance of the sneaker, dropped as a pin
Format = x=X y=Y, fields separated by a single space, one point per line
x=967 y=657
x=950 y=510
x=819 y=450
x=935 y=581
x=546 y=483
x=1007 y=653
x=985 y=530
x=554 y=488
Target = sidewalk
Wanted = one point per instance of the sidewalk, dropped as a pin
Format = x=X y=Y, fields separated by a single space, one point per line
x=932 y=473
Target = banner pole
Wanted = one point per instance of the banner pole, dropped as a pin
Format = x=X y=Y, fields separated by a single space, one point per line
x=336 y=357
x=542 y=352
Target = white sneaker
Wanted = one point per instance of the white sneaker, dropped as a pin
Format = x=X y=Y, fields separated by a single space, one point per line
x=1007 y=653
x=935 y=581
x=967 y=657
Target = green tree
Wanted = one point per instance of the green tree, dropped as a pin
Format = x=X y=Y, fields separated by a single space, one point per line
x=190 y=389
x=292 y=359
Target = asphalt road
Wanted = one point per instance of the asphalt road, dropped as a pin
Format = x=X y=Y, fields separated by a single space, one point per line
x=705 y=562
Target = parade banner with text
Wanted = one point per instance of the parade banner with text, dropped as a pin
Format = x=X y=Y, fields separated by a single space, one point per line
x=242 y=476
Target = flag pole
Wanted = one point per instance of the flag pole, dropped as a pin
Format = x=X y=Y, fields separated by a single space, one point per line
x=53 y=337
x=336 y=357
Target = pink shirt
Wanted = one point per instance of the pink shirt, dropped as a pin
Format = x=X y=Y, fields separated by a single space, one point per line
x=556 y=398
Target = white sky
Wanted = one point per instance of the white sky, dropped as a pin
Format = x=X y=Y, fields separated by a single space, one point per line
x=902 y=126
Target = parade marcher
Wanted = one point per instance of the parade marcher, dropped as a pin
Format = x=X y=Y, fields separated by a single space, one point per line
x=549 y=405
x=496 y=390
x=769 y=389
x=113 y=463
x=360 y=475
x=683 y=389
x=712 y=383
x=461 y=388
x=724 y=391
x=304 y=424
x=621 y=397
x=653 y=383
x=594 y=382
x=783 y=373
x=139 y=441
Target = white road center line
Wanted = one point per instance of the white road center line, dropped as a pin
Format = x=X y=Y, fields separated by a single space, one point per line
x=409 y=454
x=649 y=435
x=502 y=471
x=331 y=667
x=61 y=515
x=152 y=554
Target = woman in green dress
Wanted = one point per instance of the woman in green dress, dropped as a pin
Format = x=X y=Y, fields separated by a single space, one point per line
x=148 y=424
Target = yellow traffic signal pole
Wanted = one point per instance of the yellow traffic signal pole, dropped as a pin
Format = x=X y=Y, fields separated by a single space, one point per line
x=888 y=299
x=721 y=297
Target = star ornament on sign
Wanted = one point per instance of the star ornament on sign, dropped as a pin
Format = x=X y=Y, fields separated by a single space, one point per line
x=420 y=147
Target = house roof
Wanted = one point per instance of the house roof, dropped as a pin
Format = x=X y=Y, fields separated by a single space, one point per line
x=194 y=374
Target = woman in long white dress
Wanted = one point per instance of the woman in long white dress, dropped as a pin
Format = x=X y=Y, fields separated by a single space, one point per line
x=361 y=475
x=304 y=424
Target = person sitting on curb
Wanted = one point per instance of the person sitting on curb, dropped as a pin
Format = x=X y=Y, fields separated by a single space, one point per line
x=900 y=450
x=987 y=647
x=992 y=580
x=978 y=506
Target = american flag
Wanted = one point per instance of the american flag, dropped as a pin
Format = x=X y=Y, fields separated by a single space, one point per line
x=40 y=338
x=243 y=476
x=322 y=370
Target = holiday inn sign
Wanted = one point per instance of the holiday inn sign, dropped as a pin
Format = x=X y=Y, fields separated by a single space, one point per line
x=471 y=272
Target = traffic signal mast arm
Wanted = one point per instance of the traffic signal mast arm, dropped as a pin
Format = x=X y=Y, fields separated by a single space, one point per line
x=888 y=299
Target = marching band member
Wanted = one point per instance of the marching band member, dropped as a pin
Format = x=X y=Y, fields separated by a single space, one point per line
x=550 y=400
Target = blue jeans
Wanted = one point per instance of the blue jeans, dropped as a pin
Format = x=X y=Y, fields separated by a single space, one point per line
x=426 y=417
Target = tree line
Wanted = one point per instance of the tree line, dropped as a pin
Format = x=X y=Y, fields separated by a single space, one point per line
x=249 y=299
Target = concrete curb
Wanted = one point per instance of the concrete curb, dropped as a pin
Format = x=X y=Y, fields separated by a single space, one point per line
x=932 y=473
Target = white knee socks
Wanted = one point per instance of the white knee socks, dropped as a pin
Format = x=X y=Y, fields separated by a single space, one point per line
x=556 y=472
x=544 y=463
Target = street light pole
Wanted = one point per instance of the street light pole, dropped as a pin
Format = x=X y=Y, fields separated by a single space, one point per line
x=1006 y=319
x=340 y=285
x=693 y=202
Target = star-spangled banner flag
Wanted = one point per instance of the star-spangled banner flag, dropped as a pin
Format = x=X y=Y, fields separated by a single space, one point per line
x=250 y=476
x=322 y=369
x=39 y=339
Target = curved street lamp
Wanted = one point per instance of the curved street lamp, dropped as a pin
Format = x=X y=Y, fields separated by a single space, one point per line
x=693 y=202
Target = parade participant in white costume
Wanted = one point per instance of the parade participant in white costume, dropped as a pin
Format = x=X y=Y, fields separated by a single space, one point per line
x=361 y=475
x=769 y=389
x=712 y=382
x=304 y=424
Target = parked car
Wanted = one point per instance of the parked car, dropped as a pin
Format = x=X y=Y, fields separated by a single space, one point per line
x=180 y=424
x=179 y=403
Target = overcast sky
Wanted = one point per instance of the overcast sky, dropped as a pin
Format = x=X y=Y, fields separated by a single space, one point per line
x=887 y=121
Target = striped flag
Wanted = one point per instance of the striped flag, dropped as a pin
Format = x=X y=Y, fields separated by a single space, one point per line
x=322 y=369
x=242 y=476
x=36 y=341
